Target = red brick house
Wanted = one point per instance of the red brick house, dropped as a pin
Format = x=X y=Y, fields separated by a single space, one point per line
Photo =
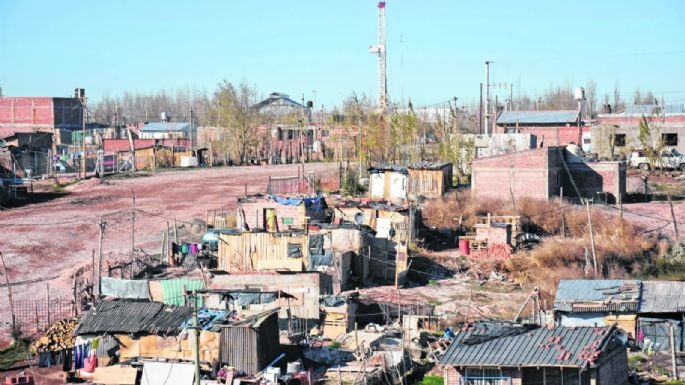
x=40 y=114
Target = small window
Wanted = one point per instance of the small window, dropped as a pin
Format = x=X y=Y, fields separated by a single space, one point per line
x=620 y=140
x=670 y=139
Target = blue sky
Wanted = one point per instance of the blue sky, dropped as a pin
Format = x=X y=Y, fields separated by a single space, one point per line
x=436 y=49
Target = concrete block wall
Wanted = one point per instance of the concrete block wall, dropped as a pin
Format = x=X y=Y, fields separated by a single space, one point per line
x=593 y=178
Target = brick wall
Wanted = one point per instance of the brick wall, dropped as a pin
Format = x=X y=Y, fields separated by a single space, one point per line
x=548 y=135
x=525 y=174
x=26 y=110
x=593 y=178
x=115 y=145
x=494 y=235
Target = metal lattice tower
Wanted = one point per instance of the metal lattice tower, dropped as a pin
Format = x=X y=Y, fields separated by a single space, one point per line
x=380 y=51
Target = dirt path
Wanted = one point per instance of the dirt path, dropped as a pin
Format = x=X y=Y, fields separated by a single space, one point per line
x=54 y=238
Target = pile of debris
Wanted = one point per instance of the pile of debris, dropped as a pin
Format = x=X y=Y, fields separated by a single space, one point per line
x=59 y=336
x=493 y=252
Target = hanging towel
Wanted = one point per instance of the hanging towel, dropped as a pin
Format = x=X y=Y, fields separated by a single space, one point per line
x=184 y=248
x=193 y=248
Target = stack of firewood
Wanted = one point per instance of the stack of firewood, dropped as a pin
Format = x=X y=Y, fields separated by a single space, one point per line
x=59 y=336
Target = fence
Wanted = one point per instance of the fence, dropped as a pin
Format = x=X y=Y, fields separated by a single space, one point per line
x=36 y=315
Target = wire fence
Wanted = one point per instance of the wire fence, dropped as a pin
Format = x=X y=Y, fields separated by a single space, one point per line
x=34 y=316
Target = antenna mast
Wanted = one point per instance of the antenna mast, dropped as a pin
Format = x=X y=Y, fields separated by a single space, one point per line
x=380 y=50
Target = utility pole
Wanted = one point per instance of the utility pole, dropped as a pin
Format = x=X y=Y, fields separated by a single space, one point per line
x=190 y=133
x=480 y=110
x=487 y=95
x=133 y=229
x=196 y=330
x=380 y=51
x=675 y=223
x=80 y=94
x=102 y=235
x=592 y=236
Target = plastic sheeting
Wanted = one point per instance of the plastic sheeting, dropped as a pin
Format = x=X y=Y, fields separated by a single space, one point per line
x=316 y=244
x=316 y=260
x=294 y=250
x=167 y=373
x=206 y=319
x=172 y=289
x=657 y=332
x=254 y=298
x=125 y=288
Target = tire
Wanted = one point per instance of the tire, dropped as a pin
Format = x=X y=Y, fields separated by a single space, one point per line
x=682 y=167
x=643 y=166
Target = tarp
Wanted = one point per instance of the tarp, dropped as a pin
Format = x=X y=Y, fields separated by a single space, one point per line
x=316 y=244
x=167 y=373
x=294 y=250
x=315 y=204
x=206 y=319
x=125 y=288
x=254 y=298
x=658 y=332
x=316 y=260
x=287 y=201
x=172 y=289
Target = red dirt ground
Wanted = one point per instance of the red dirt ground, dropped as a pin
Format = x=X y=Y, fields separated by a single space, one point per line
x=53 y=239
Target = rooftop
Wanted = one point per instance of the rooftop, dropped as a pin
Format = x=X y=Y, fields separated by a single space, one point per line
x=662 y=297
x=538 y=117
x=502 y=344
x=583 y=295
x=132 y=317
x=165 y=126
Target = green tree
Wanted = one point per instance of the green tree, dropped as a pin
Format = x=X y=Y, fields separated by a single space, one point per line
x=232 y=110
x=651 y=141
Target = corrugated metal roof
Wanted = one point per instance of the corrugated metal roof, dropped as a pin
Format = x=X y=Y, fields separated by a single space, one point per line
x=570 y=347
x=597 y=295
x=166 y=126
x=424 y=165
x=133 y=317
x=537 y=117
x=662 y=297
x=388 y=167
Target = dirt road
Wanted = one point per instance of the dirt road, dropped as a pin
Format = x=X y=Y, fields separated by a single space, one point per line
x=52 y=239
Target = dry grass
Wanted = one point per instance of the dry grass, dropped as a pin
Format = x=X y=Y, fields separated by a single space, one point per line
x=623 y=249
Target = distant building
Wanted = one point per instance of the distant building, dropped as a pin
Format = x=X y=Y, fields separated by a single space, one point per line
x=40 y=114
x=546 y=125
x=398 y=183
x=165 y=130
x=624 y=127
x=280 y=105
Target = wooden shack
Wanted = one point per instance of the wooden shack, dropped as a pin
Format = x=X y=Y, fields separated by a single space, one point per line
x=259 y=251
x=278 y=213
x=429 y=180
x=250 y=345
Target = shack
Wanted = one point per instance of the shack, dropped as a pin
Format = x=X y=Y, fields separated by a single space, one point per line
x=249 y=345
x=138 y=329
x=260 y=251
x=389 y=183
x=279 y=213
x=429 y=179
x=489 y=352
x=598 y=303
x=661 y=315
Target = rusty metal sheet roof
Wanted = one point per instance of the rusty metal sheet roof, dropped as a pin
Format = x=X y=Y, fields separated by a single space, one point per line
x=583 y=295
x=662 y=297
x=499 y=344
x=133 y=317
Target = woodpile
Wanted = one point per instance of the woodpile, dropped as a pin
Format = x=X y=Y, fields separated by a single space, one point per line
x=59 y=336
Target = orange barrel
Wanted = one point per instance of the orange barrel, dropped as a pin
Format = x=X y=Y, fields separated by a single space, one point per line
x=464 y=247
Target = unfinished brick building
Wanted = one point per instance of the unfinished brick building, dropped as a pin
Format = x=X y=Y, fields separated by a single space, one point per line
x=541 y=174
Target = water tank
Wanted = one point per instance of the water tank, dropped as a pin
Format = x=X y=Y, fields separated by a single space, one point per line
x=162 y=116
x=580 y=93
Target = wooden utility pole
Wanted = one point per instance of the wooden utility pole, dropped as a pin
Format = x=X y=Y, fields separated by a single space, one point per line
x=102 y=236
x=675 y=223
x=592 y=236
x=196 y=329
x=674 y=366
x=133 y=230
x=9 y=293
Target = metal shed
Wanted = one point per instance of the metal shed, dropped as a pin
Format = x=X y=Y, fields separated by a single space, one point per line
x=251 y=344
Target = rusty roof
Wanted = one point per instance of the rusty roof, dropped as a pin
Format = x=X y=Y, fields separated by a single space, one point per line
x=504 y=344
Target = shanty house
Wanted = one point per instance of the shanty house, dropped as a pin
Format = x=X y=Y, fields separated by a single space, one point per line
x=165 y=130
x=546 y=125
x=661 y=315
x=251 y=344
x=598 y=303
x=490 y=353
x=388 y=182
x=278 y=213
x=146 y=329
x=259 y=251
x=429 y=180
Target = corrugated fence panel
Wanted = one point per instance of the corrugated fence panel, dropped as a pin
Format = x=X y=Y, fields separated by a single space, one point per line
x=239 y=349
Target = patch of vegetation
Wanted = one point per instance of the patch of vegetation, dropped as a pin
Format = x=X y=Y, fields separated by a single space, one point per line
x=635 y=359
x=433 y=380
x=432 y=282
x=334 y=345
x=17 y=352
x=350 y=184
x=58 y=188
